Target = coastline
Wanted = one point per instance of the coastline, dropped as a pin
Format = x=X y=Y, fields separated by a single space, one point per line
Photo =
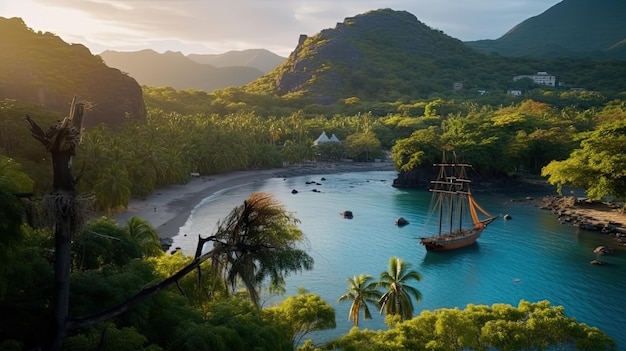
x=169 y=208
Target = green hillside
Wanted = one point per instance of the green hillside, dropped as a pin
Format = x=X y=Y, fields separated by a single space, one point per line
x=388 y=55
x=571 y=28
x=41 y=68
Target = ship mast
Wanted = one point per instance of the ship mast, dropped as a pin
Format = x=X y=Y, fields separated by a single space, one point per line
x=452 y=187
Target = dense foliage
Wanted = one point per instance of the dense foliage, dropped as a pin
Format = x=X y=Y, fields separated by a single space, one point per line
x=111 y=262
x=529 y=326
x=134 y=161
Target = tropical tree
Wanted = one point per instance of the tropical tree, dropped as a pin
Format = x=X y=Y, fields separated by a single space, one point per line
x=397 y=298
x=12 y=180
x=301 y=314
x=102 y=243
x=258 y=240
x=598 y=165
x=145 y=235
x=423 y=145
x=113 y=188
x=363 y=146
x=530 y=326
x=362 y=290
x=12 y=177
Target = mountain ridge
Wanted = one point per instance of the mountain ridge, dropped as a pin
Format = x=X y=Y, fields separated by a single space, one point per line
x=570 y=28
x=41 y=68
x=261 y=59
x=177 y=70
x=387 y=55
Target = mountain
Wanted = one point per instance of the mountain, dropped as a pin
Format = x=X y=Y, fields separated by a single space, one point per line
x=175 y=70
x=389 y=56
x=379 y=55
x=571 y=28
x=43 y=69
x=261 y=59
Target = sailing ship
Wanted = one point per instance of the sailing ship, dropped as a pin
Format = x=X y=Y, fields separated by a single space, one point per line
x=457 y=213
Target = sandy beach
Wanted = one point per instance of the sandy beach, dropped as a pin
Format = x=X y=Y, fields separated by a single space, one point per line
x=169 y=208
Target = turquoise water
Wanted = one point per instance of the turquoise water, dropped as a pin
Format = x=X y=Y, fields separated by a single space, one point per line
x=530 y=257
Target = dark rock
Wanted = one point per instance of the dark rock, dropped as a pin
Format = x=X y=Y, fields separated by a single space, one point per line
x=401 y=222
x=166 y=243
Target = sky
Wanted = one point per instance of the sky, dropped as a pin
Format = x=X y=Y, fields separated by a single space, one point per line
x=218 y=26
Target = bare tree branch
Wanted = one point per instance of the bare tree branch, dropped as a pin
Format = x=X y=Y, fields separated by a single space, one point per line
x=76 y=323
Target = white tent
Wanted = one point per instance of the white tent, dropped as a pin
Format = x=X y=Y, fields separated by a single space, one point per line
x=323 y=138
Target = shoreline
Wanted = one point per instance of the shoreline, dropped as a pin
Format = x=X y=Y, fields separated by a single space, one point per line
x=169 y=208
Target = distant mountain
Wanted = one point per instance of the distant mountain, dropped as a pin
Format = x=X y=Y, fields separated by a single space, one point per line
x=175 y=70
x=41 y=68
x=571 y=28
x=261 y=59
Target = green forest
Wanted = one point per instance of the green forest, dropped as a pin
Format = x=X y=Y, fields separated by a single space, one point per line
x=159 y=301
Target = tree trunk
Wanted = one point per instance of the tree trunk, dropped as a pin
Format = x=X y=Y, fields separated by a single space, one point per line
x=62 y=264
x=61 y=141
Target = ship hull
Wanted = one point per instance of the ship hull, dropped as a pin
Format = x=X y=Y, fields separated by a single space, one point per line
x=451 y=241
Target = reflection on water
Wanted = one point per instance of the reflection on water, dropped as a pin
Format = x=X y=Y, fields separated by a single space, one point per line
x=530 y=257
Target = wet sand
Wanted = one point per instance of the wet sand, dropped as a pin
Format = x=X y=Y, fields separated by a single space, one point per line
x=169 y=208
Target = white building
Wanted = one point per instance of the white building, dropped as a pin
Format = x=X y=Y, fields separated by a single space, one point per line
x=541 y=78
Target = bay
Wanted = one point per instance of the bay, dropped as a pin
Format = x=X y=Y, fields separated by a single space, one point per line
x=531 y=257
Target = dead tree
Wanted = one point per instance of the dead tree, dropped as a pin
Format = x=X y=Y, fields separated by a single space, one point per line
x=65 y=209
x=61 y=141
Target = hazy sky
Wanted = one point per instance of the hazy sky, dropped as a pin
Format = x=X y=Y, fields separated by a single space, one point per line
x=206 y=26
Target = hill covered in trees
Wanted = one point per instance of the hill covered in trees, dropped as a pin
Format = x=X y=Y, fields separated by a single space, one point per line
x=388 y=55
x=571 y=28
x=41 y=68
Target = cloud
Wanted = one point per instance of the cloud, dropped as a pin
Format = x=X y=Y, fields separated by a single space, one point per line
x=271 y=24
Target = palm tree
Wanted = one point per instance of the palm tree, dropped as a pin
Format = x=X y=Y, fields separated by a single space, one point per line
x=258 y=242
x=145 y=235
x=361 y=291
x=397 y=298
x=112 y=188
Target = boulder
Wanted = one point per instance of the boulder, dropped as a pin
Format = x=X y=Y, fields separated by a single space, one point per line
x=347 y=214
x=401 y=222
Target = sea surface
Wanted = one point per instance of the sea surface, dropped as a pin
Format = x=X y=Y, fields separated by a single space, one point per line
x=530 y=257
